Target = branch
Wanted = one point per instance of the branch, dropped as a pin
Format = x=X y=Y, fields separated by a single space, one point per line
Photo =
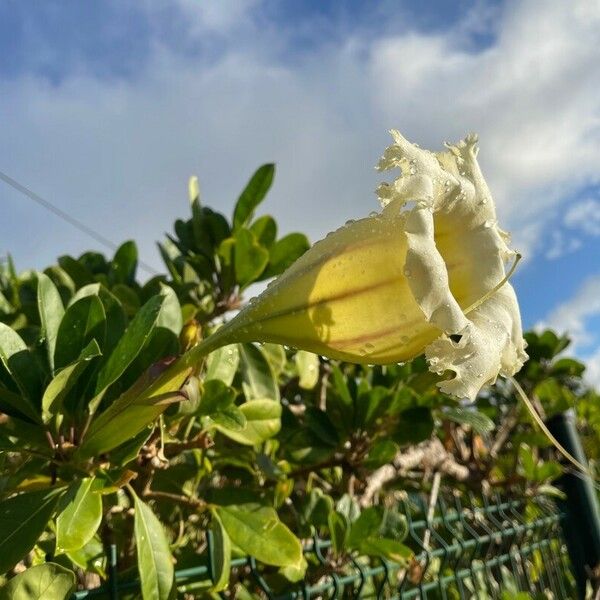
x=429 y=455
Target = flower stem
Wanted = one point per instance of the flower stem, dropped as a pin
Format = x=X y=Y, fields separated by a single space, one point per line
x=540 y=423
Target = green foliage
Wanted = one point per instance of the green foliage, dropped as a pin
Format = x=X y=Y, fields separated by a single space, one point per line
x=260 y=445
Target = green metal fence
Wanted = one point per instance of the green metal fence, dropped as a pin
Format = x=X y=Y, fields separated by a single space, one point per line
x=474 y=546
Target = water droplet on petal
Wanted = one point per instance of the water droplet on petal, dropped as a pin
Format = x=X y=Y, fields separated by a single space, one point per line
x=407 y=272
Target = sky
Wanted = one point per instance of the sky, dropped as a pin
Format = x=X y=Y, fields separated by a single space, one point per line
x=107 y=107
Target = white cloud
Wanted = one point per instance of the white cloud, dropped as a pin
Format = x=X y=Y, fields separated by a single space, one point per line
x=592 y=369
x=118 y=154
x=572 y=315
x=531 y=96
x=585 y=216
x=561 y=245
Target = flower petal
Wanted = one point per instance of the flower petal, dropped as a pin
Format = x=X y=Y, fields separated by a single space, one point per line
x=456 y=255
x=491 y=344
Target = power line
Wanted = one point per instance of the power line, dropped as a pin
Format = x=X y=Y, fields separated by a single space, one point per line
x=61 y=214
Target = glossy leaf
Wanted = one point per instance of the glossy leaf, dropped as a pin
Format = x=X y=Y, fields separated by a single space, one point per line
x=253 y=195
x=263 y=421
x=261 y=534
x=131 y=343
x=229 y=420
x=116 y=319
x=124 y=264
x=65 y=379
x=250 y=258
x=286 y=251
x=23 y=518
x=307 y=364
x=257 y=374
x=129 y=414
x=80 y=518
x=51 y=311
x=155 y=563
x=220 y=555
x=216 y=396
x=265 y=230
x=222 y=364
x=474 y=419
x=48 y=581
x=82 y=322
x=21 y=365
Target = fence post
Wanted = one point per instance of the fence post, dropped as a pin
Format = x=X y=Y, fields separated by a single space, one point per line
x=581 y=527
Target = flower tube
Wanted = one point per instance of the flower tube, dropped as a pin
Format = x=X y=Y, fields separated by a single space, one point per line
x=422 y=276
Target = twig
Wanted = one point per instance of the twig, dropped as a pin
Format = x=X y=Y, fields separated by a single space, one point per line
x=194 y=503
x=433 y=497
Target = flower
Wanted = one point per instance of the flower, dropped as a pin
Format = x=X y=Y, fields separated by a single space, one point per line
x=426 y=275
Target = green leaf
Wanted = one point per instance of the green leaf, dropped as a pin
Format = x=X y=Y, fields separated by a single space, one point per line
x=131 y=343
x=385 y=548
x=250 y=258
x=91 y=557
x=216 y=396
x=155 y=563
x=21 y=365
x=286 y=251
x=555 y=398
x=527 y=461
x=253 y=195
x=367 y=525
x=477 y=421
x=307 y=365
x=220 y=555
x=82 y=322
x=229 y=420
x=116 y=319
x=261 y=534
x=265 y=230
x=77 y=271
x=131 y=412
x=63 y=382
x=568 y=367
x=414 y=426
x=258 y=377
x=51 y=311
x=10 y=400
x=124 y=264
x=340 y=403
x=263 y=421
x=80 y=518
x=222 y=364
x=371 y=404
x=48 y=581
x=23 y=519
x=381 y=453
x=338 y=530
x=276 y=357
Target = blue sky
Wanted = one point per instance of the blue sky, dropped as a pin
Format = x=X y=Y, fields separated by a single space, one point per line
x=107 y=107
